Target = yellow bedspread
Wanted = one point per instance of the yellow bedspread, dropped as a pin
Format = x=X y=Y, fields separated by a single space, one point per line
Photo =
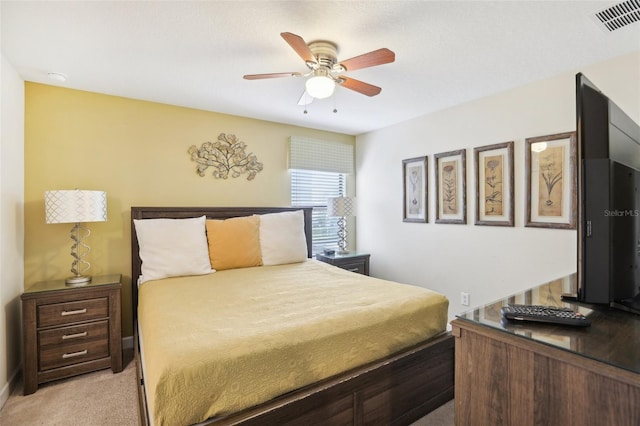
x=215 y=344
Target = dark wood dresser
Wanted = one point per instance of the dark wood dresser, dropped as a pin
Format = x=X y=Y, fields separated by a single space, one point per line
x=70 y=330
x=524 y=373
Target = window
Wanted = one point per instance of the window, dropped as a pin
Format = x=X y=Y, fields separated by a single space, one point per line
x=310 y=188
x=318 y=171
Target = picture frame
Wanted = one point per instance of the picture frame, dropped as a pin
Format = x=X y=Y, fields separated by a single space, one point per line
x=550 y=181
x=415 y=190
x=451 y=192
x=494 y=184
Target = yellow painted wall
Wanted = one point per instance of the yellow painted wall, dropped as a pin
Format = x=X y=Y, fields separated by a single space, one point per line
x=136 y=151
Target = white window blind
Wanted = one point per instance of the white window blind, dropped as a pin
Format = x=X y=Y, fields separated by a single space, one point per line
x=319 y=155
x=312 y=188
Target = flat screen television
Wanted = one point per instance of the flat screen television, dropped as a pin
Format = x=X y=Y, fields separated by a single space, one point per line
x=608 y=149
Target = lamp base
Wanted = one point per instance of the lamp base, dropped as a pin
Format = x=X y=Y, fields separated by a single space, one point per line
x=343 y=252
x=79 y=250
x=78 y=280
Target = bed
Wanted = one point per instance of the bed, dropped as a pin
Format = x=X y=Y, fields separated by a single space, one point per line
x=394 y=382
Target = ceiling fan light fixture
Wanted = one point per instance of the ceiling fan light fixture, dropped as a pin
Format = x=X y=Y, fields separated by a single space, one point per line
x=320 y=86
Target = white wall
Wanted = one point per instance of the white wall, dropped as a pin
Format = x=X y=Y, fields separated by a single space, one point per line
x=488 y=262
x=11 y=223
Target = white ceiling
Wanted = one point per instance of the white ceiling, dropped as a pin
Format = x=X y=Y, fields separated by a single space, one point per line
x=194 y=54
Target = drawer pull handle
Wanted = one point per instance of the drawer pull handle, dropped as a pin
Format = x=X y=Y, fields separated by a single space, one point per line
x=353 y=270
x=76 y=312
x=74 y=336
x=73 y=354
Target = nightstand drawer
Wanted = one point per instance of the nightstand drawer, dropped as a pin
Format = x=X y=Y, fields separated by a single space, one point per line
x=354 y=267
x=70 y=312
x=352 y=261
x=74 y=334
x=73 y=353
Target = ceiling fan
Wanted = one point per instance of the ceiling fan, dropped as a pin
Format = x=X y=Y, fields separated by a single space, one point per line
x=324 y=69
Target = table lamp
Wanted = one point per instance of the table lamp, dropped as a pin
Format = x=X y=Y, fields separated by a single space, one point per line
x=341 y=207
x=76 y=206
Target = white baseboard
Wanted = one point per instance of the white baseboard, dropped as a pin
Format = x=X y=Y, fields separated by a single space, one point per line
x=9 y=386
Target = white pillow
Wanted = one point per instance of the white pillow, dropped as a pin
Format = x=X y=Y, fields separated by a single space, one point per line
x=172 y=247
x=282 y=238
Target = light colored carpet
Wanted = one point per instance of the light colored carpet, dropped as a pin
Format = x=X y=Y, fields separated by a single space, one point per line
x=106 y=399
x=441 y=416
x=100 y=398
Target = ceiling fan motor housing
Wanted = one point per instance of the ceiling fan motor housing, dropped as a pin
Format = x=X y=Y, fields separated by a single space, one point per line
x=326 y=53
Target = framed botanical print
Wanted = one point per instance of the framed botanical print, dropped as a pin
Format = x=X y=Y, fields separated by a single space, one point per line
x=414 y=175
x=451 y=193
x=494 y=184
x=551 y=182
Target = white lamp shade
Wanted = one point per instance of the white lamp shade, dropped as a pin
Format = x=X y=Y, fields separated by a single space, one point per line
x=320 y=86
x=341 y=206
x=74 y=206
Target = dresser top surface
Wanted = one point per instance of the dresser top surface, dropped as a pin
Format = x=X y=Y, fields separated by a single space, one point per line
x=613 y=336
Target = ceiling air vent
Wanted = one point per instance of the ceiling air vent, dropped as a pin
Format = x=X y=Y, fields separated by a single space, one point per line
x=619 y=15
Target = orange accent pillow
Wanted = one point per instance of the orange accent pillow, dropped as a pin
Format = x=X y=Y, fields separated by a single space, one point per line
x=234 y=243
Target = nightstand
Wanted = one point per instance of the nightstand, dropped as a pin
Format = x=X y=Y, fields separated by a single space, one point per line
x=352 y=261
x=70 y=330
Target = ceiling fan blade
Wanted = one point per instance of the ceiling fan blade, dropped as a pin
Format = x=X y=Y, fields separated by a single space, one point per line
x=360 y=86
x=300 y=46
x=371 y=59
x=305 y=99
x=272 y=75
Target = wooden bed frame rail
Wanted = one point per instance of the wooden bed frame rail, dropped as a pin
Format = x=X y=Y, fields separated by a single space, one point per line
x=396 y=390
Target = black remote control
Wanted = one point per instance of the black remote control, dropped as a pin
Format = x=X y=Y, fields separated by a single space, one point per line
x=548 y=314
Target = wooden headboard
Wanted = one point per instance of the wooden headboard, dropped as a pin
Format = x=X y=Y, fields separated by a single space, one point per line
x=187 y=212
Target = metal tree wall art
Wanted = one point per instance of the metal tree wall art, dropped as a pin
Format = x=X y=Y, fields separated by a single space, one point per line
x=226 y=156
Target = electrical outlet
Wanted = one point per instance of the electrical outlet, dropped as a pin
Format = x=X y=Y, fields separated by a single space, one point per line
x=464 y=298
